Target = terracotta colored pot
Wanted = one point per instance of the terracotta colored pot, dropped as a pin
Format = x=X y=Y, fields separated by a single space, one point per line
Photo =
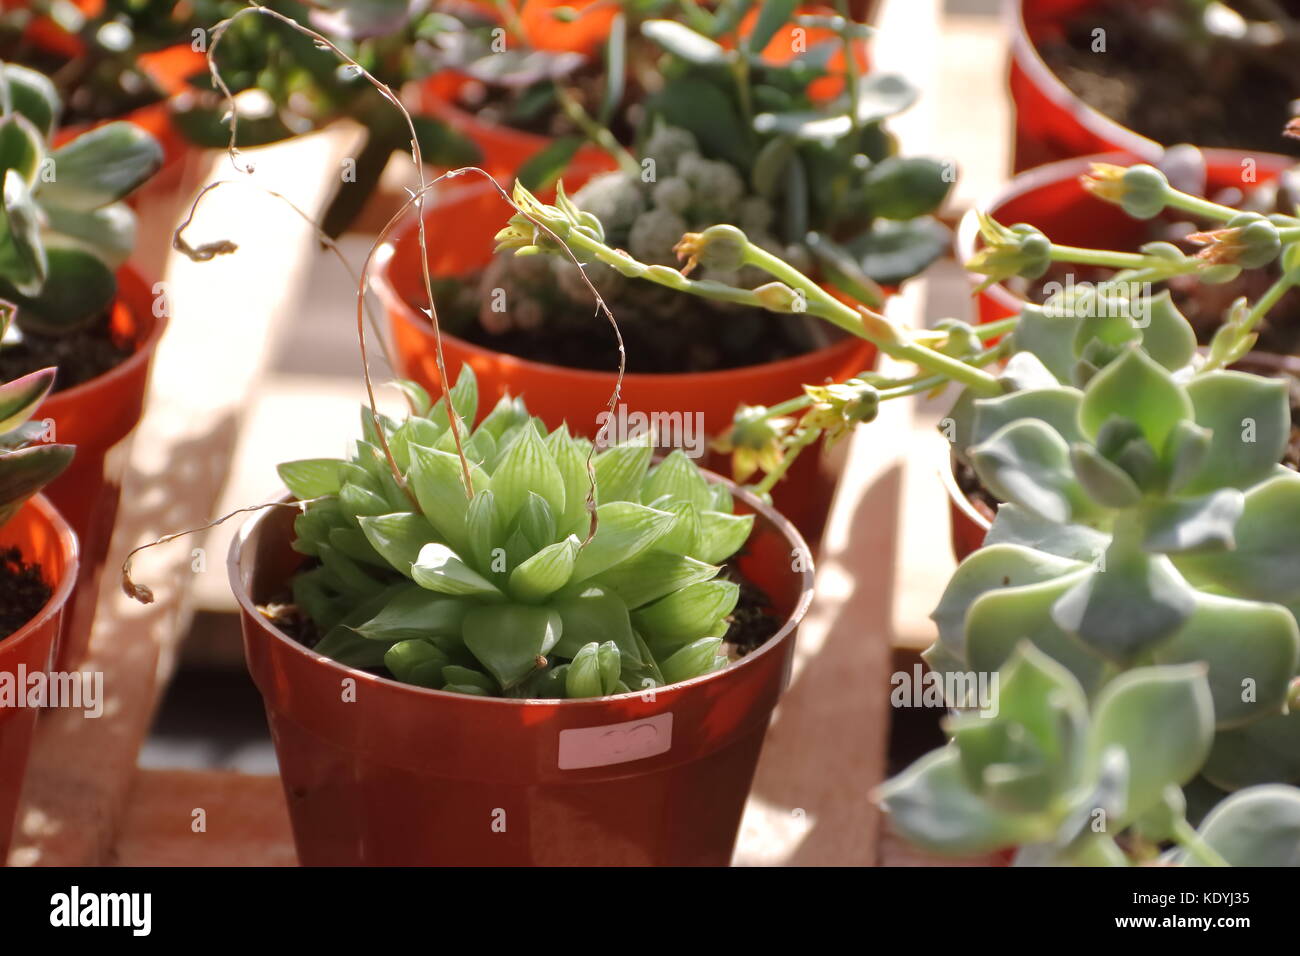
x=1052 y=122
x=44 y=538
x=459 y=236
x=401 y=775
x=98 y=417
x=1051 y=198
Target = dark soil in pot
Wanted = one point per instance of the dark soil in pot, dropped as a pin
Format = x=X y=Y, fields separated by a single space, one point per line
x=23 y=591
x=1211 y=91
x=80 y=356
x=663 y=332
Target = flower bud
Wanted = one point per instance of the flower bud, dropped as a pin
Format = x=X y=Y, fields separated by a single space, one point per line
x=779 y=297
x=720 y=248
x=1142 y=190
x=1249 y=240
x=1021 y=250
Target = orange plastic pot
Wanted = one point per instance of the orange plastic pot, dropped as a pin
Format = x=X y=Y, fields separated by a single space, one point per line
x=98 y=417
x=382 y=773
x=45 y=539
x=969 y=525
x=459 y=231
x=1052 y=122
x=1052 y=198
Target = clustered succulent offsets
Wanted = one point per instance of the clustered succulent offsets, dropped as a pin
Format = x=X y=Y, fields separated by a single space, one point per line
x=504 y=592
x=66 y=227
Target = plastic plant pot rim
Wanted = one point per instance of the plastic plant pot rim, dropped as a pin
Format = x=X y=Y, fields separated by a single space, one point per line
x=966 y=240
x=796 y=617
x=144 y=348
x=62 y=589
x=1025 y=55
x=397 y=305
x=948 y=476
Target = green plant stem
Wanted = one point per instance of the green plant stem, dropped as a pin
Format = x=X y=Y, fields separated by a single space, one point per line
x=1100 y=257
x=805 y=437
x=1197 y=206
x=594 y=131
x=1269 y=299
x=1191 y=841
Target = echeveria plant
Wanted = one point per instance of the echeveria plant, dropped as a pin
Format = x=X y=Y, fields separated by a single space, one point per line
x=497 y=587
x=27 y=463
x=65 y=228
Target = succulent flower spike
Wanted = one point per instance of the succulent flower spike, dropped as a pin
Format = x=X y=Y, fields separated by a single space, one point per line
x=1019 y=250
x=65 y=228
x=501 y=592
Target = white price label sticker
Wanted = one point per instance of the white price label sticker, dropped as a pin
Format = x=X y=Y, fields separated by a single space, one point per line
x=584 y=747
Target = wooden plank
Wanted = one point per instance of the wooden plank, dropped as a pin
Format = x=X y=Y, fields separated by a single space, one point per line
x=225 y=318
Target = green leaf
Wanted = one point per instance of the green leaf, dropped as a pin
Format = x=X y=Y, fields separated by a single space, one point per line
x=625 y=530
x=535 y=522
x=545 y=572
x=1136 y=388
x=21 y=147
x=23 y=262
x=399 y=537
x=653 y=574
x=684 y=535
x=685 y=615
x=1182 y=525
x=1129 y=608
x=679 y=478
x=772 y=15
x=527 y=467
x=1105 y=482
x=1028 y=463
x=33 y=95
x=79 y=288
x=109 y=231
x=1167 y=337
x=904 y=187
x=417 y=662
x=464 y=398
x=26 y=471
x=891 y=252
x=1251 y=650
x=1015 y=525
x=311 y=477
x=509 y=639
x=1263 y=751
x=706 y=112
x=615 y=67
x=1048 y=336
x=483 y=529
x=548 y=164
x=436 y=479
x=102 y=165
x=1256 y=827
x=414 y=614
x=595 y=616
x=681 y=41
x=930 y=806
x=1057 y=407
x=1265 y=563
x=621 y=470
x=721 y=536
x=1250 y=423
x=439 y=569
x=20 y=398
x=1163 y=719
x=693 y=660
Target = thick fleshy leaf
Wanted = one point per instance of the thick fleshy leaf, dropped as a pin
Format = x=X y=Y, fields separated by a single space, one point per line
x=930 y=806
x=1015 y=525
x=693 y=660
x=571 y=460
x=1264 y=751
x=1250 y=423
x=20 y=398
x=625 y=530
x=679 y=478
x=439 y=569
x=681 y=41
x=1182 y=525
x=79 y=287
x=989 y=569
x=511 y=641
x=398 y=537
x=527 y=467
x=1256 y=827
x=1057 y=406
x=685 y=615
x=1163 y=718
x=1003 y=620
x=904 y=187
x=891 y=252
x=721 y=536
x=1105 y=482
x=1137 y=388
x=464 y=398
x=594 y=671
x=415 y=614
x=1265 y=564
x=545 y=572
x=23 y=262
x=21 y=147
x=621 y=470
x=1251 y=650
x=417 y=662
x=357 y=501
x=102 y=165
x=535 y=522
x=685 y=534
x=310 y=477
x=651 y=575
x=110 y=231
x=1185 y=453
x=26 y=471
x=1167 y=336
x=1127 y=609
x=1028 y=463
x=1050 y=337
x=33 y=95
x=436 y=478
x=596 y=616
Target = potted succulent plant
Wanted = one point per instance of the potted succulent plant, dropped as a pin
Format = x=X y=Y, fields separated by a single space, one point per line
x=815 y=180
x=38 y=570
x=526 y=653
x=67 y=233
x=1094 y=76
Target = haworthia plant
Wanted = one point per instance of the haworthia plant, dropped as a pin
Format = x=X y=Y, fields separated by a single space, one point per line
x=500 y=592
x=65 y=227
